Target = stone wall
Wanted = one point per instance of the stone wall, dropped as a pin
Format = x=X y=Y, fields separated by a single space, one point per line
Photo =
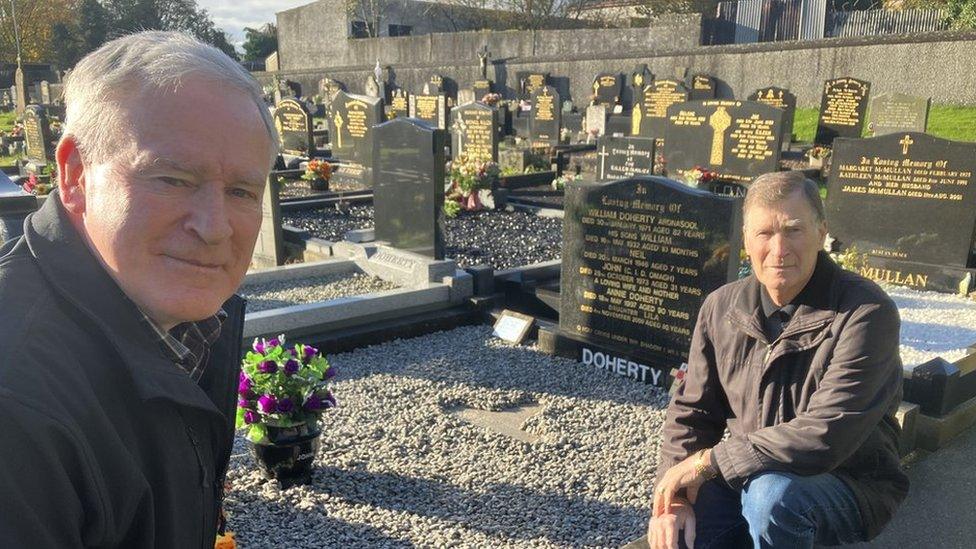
x=937 y=65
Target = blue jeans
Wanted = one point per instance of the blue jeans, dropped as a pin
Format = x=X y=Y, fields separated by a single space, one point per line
x=776 y=509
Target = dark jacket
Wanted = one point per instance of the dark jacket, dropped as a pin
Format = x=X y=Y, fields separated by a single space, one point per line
x=105 y=443
x=821 y=398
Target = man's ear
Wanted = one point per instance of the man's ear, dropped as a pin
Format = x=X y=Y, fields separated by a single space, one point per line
x=71 y=175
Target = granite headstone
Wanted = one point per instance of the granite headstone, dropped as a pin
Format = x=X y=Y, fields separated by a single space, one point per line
x=738 y=140
x=475 y=132
x=639 y=257
x=905 y=200
x=530 y=83
x=294 y=125
x=606 y=89
x=842 y=108
x=37 y=135
x=624 y=157
x=652 y=114
x=546 y=121
x=781 y=99
x=351 y=124
x=408 y=188
x=703 y=86
x=897 y=113
x=430 y=108
x=400 y=104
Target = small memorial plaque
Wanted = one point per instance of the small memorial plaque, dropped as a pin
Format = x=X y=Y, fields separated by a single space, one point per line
x=842 y=109
x=512 y=326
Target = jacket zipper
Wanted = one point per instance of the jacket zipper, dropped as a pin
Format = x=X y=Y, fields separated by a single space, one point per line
x=195 y=442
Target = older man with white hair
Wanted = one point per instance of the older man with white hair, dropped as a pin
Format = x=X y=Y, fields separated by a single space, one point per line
x=121 y=333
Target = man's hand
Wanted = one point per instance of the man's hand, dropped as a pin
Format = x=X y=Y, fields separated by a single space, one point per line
x=662 y=530
x=682 y=475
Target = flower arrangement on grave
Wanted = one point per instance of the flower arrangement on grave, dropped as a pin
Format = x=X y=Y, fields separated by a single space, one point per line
x=697 y=176
x=282 y=387
x=491 y=99
x=850 y=259
x=659 y=164
x=35 y=186
x=317 y=173
x=467 y=177
x=565 y=135
x=592 y=134
x=818 y=156
x=560 y=182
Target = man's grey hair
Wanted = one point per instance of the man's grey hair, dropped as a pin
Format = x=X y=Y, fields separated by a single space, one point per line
x=771 y=188
x=97 y=88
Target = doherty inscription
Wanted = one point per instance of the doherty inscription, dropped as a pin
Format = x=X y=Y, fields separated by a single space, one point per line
x=639 y=257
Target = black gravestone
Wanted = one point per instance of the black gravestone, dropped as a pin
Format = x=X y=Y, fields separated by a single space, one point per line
x=702 y=87
x=531 y=83
x=438 y=83
x=907 y=197
x=328 y=88
x=294 y=125
x=640 y=77
x=639 y=257
x=842 y=108
x=37 y=135
x=624 y=157
x=606 y=89
x=430 y=108
x=653 y=112
x=408 y=188
x=738 y=140
x=351 y=122
x=546 y=121
x=400 y=104
x=781 y=99
x=475 y=132
x=897 y=113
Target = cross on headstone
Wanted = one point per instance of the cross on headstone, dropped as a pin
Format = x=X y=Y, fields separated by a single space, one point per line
x=603 y=154
x=339 y=122
x=905 y=143
x=719 y=121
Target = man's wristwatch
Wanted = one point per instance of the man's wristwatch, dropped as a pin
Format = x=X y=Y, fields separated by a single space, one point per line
x=702 y=469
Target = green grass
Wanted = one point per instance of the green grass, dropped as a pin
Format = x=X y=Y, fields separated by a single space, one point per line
x=7 y=124
x=946 y=121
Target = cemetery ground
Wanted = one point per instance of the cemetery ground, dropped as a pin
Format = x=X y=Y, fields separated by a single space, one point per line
x=460 y=439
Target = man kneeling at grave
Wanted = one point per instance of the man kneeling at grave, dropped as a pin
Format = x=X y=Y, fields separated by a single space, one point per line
x=121 y=338
x=799 y=362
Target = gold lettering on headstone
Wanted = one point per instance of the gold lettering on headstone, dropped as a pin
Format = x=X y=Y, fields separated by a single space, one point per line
x=476 y=135
x=357 y=124
x=719 y=122
x=843 y=99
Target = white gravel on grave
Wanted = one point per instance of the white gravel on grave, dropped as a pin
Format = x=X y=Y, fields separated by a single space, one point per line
x=397 y=470
x=273 y=295
x=933 y=324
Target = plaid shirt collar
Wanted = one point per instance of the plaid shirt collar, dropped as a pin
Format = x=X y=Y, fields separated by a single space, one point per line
x=188 y=344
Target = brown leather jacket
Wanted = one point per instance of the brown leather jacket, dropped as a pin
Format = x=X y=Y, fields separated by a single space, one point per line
x=820 y=398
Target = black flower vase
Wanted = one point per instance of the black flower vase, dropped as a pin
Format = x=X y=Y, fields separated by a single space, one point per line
x=287 y=456
x=319 y=184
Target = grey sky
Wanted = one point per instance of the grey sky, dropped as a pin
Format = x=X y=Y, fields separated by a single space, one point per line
x=232 y=16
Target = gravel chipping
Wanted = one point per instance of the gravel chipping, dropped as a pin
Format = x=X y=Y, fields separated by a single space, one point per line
x=396 y=469
x=933 y=324
x=502 y=239
x=274 y=295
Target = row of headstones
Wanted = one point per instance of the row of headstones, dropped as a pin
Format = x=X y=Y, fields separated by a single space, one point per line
x=43 y=93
